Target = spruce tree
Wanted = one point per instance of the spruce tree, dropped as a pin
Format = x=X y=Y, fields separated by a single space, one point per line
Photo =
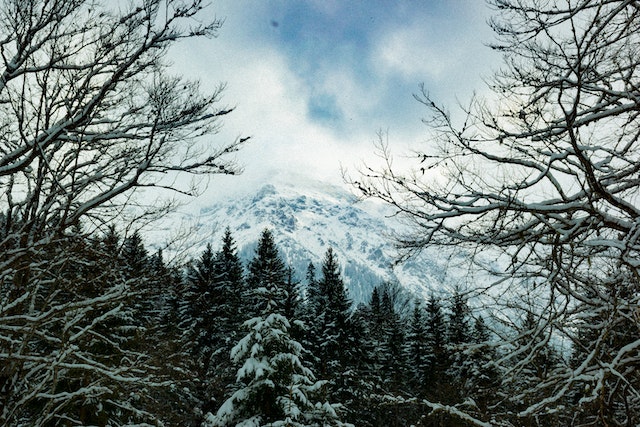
x=307 y=331
x=228 y=278
x=292 y=304
x=334 y=313
x=135 y=256
x=340 y=345
x=435 y=386
x=226 y=318
x=136 y=265
x=416 y=348
x=274 y=385
x=482 y=382
x=458 y=336
x=394 y=365
x=267 y=277
x=228 y=287
x=534 y=359
x=201 y=301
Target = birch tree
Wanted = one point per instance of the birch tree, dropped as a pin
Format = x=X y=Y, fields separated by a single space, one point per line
x=90 y=113
x=543 y=176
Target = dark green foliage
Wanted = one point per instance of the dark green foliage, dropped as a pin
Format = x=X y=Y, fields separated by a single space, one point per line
x=393 y=341
x=597 y=337
x=458 y=331
x=228 y=279
x=382 y=364
x=333 y=313
x=458 y=337
x=273 y=383
x=98 y=364
x=436 y=385
x=267 y=278
x=482 y=379
x=200 y=301
x=226 y=315
x=416 y=348
x=134 y=256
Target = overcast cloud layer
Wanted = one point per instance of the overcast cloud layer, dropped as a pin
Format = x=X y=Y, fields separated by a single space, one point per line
x=314 y=81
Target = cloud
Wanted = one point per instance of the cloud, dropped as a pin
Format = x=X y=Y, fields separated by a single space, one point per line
x=314 y=97
x=413 y=54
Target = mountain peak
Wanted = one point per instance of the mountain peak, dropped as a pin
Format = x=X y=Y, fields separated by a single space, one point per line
x=306 y=218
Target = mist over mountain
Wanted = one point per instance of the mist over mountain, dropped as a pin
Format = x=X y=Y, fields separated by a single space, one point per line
x=307 y=217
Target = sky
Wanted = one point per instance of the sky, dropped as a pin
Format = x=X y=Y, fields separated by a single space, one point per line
x=313 y=82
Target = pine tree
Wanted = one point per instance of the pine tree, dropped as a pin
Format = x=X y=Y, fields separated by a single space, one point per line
x=225 y=319
x=334 y=312
x=228 y=278
x=307 y=331
x=228 y=287
x=267 y=277
x=274 y=385
x=136 y=269
x=534 y=359
x=375 y=305
x=482 y=381
x=435 y=386
x=367 y=386
x=394 y=365
x=135 y=256
x=110 y=243
x=458 y=336
x=200 y=304
x=164 y=347
x=416 y=348
x=292 y=303
x=312 y=283
x=276 y=388
x=375 y=340
x=458 y=331
x=340 y=346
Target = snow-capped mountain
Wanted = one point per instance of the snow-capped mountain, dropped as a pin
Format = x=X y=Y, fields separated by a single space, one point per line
x=307 y=217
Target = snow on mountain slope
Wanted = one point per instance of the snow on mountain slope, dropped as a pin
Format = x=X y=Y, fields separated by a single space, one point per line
x=306 y=218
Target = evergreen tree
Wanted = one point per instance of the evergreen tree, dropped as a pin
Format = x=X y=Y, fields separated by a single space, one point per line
x=365 y=394
x=334 y=313
x=340 y=348
x=458 y=330
x=136 y=265
x=534 y=360
x=375 y=304
x=458 y=336
x=292 y=303
x=274 y=385
x=267 y=277
x=374 y=342
x=309 y=308
x=312 y=282
x=482 y=381
x=416 y=348
x=225 y=319
x=276 y=388
x=164 y=346
x=436 y=382
x=110 y=243
x=201 y=300
x=197 y=304
x=392 y=345
x=596 y=337
x=228 y=278
x=135 y=256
